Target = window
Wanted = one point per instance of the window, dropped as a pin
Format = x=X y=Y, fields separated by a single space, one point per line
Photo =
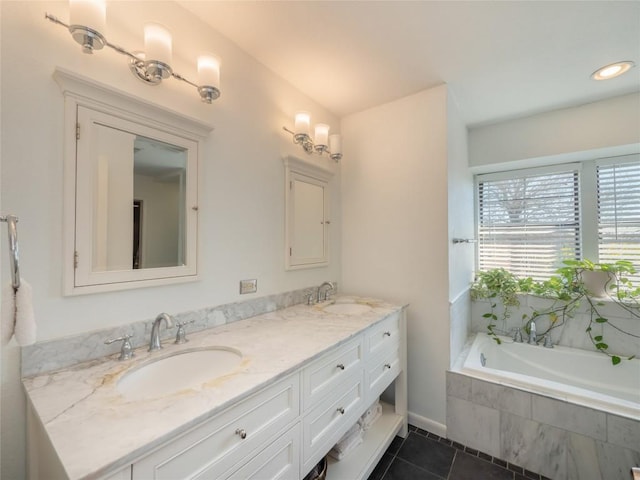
x=530 y=220
x=619 y=213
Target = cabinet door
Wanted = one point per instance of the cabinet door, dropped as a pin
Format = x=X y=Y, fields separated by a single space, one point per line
x=279 y=461
x=380 y=372
x=216 y=445
x=381 y=336
x=323 y=375
x=331 y=418
x=306 y=214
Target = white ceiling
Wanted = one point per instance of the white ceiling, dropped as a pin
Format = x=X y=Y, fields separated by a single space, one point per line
x=501 y=59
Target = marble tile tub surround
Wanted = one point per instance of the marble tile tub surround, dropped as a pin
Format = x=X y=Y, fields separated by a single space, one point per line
x=67 y=351
x=572 y=333
x=84 y=416
x=555 y=438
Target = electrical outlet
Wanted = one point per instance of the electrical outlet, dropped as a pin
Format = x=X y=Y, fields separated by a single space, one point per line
x=248 y=286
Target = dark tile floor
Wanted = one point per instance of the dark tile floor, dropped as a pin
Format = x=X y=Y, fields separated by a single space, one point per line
x=425 y=456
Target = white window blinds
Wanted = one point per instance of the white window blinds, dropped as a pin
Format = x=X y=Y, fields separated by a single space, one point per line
x=619 y=214
x=528 y=222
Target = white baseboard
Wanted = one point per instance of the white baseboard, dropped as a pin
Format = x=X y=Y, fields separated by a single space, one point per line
x=428 y=424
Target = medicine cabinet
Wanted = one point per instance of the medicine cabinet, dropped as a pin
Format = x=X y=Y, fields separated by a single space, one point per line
x=131 y=190
x=307 y=214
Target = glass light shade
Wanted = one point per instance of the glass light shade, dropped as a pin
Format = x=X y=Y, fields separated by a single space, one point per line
x=209 y=71
x=322 y=135
x=89 y=13
x=302 y=123
x=157 y=43
x=335 y=144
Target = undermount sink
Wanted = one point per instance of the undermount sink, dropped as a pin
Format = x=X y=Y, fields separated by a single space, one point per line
x=177 y=372
x=347 y=308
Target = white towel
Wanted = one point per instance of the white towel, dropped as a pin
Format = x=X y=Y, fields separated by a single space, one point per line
x=373 y=413
x=17 y=315
x=348 y=442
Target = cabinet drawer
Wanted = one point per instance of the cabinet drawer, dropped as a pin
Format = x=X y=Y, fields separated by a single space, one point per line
x=322 y=376
x=330 y=419
x=214 y=447
x=380 y=372
x=280 y=460
x=385 y=333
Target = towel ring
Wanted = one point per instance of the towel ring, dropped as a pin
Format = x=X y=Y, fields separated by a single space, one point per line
x=14 y=259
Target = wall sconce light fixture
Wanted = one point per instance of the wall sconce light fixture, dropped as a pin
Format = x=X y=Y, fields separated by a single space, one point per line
x=88 y=22
x=322 y=142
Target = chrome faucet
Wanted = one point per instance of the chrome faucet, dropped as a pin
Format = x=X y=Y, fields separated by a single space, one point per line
x=324 y=298
x=154 y=342
x=533 y=338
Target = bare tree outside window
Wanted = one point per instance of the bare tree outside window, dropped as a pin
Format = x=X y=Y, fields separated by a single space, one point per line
x=529 y=224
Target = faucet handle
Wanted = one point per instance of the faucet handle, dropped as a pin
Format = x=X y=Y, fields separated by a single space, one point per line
x=181 y=334
x=327 y=294
x=126 y=351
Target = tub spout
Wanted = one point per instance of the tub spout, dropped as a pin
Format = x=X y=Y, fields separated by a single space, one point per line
x=533 y=338
x=517 y=336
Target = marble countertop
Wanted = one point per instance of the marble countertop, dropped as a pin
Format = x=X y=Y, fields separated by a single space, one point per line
x=95 y=430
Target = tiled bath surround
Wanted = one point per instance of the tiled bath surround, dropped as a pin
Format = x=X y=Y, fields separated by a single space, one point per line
x=63 y=352
x=572 y=333
x=557 y=439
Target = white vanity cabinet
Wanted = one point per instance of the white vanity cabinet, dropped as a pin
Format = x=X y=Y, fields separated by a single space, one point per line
x=211 y=449
x=124 y=474
x=285 y=443
x=278 y=431
x=384 y=343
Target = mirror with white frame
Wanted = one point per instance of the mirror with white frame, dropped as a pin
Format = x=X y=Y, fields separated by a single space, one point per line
x=307 y=214
x=131 y=191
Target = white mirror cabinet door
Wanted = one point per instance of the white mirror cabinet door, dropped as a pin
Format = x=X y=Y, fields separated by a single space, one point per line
x=307 y=214
x=131 y=190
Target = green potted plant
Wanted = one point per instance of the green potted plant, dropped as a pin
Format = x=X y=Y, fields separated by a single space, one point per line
x=571 y=285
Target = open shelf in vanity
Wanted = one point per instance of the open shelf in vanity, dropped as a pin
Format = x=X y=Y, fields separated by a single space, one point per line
x=359 y=463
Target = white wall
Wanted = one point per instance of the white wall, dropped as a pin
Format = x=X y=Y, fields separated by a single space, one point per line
x=395 y=232
x=242 y=185
x=607 y=127
x=461 y=225
x=160 y=229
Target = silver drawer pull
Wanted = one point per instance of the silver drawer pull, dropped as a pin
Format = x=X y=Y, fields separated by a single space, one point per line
x=386 y=334
x=341 y=410
x=340 y=366
x=241 y=432
x=386 y=365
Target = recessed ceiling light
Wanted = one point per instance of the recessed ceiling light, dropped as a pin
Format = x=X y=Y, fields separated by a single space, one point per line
x=612 y=71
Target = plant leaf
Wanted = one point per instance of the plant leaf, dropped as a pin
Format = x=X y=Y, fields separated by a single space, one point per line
x=615 y=360
x=601 y=346
x=598 y=338
x=601 y=320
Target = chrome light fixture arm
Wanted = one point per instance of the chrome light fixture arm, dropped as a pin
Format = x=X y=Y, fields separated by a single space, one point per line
x=150 y=72
x=309 y=147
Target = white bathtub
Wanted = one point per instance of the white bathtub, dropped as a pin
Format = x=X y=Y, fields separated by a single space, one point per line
x=577 y=376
